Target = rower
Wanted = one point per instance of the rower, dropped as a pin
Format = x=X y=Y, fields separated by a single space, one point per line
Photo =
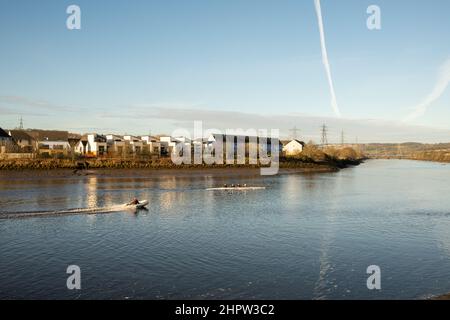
x=134 y=202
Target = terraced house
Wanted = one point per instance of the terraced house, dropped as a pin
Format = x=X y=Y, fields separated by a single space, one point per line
x=24 y=141
x=5 y=140
x=152 y=145
x=4 y=136
x=92 y=145
x=50 y=142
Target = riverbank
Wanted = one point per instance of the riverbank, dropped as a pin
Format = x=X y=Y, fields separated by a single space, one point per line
x=230 y=172
x=441 y=160
x=162 y=164
x=442 y=156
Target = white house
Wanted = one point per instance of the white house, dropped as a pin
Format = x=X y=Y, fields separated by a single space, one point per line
x=261 y=143
x=51 y=142
x=168 y=144
x=116 y=144
x=92 y=145
x=152 y=145
x=293 y=147
x=164 y=143
x=135 y=143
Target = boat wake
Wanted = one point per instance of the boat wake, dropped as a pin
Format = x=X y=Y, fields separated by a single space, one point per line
x=237 y=188
x=50 y=213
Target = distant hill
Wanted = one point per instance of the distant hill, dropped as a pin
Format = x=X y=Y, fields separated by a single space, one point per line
x=409 y=150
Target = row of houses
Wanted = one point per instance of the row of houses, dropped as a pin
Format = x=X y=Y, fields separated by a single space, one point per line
x=287 y=147
x=51 y=143
x=36 y=141
x=97 y=145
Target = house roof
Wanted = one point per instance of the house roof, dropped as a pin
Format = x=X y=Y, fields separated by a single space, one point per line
x=20 y=135
x=115 y=137
x=169 y=139
x=97 y=137
x=49 y=135
x=4 y=134
x=285 y=142
x=74 y=136
x=131 y=138
x=240 y=137
x=151 y=138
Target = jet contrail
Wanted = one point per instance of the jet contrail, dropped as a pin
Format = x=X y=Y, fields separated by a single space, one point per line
x=439 y=89
x=325 y=61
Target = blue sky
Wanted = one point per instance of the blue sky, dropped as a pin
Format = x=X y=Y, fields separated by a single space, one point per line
x=140 y=66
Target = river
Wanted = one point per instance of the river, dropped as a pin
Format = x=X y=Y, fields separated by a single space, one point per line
x=306 y=236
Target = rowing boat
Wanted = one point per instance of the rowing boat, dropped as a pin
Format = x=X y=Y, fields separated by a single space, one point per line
x=237 y=188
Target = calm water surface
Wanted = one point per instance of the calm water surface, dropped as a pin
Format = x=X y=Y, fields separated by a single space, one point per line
x=304 y=237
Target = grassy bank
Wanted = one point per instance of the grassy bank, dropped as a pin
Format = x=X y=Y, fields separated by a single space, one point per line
x=107 y=164
x=311 y=159
x=439 y=152
x=436 y=156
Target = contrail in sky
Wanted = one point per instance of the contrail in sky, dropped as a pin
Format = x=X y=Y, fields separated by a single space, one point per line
x=439 y=89
x=325 y=61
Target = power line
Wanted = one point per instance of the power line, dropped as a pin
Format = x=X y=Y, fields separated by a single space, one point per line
x=324 y=135
x=400 y=151
x=294 y=132
x=21 y=123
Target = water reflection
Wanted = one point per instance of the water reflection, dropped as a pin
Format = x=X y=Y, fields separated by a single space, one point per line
x=325 y=283
x=91 y=192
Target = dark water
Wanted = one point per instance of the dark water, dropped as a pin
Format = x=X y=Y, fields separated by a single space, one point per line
x=304 y=237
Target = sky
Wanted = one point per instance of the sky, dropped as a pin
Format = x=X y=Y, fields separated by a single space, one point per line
x=141 y=67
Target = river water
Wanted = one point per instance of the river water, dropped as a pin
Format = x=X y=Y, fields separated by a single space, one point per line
x=306 y=236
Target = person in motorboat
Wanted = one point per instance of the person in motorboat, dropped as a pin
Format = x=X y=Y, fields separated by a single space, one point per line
x=135 y=201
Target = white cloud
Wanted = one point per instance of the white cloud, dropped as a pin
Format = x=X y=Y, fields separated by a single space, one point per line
x=24 y=104
x=438 y=90
x=366 y=130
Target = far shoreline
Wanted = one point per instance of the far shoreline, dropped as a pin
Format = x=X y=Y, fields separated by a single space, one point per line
x=165 y=166
x=230 y=171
